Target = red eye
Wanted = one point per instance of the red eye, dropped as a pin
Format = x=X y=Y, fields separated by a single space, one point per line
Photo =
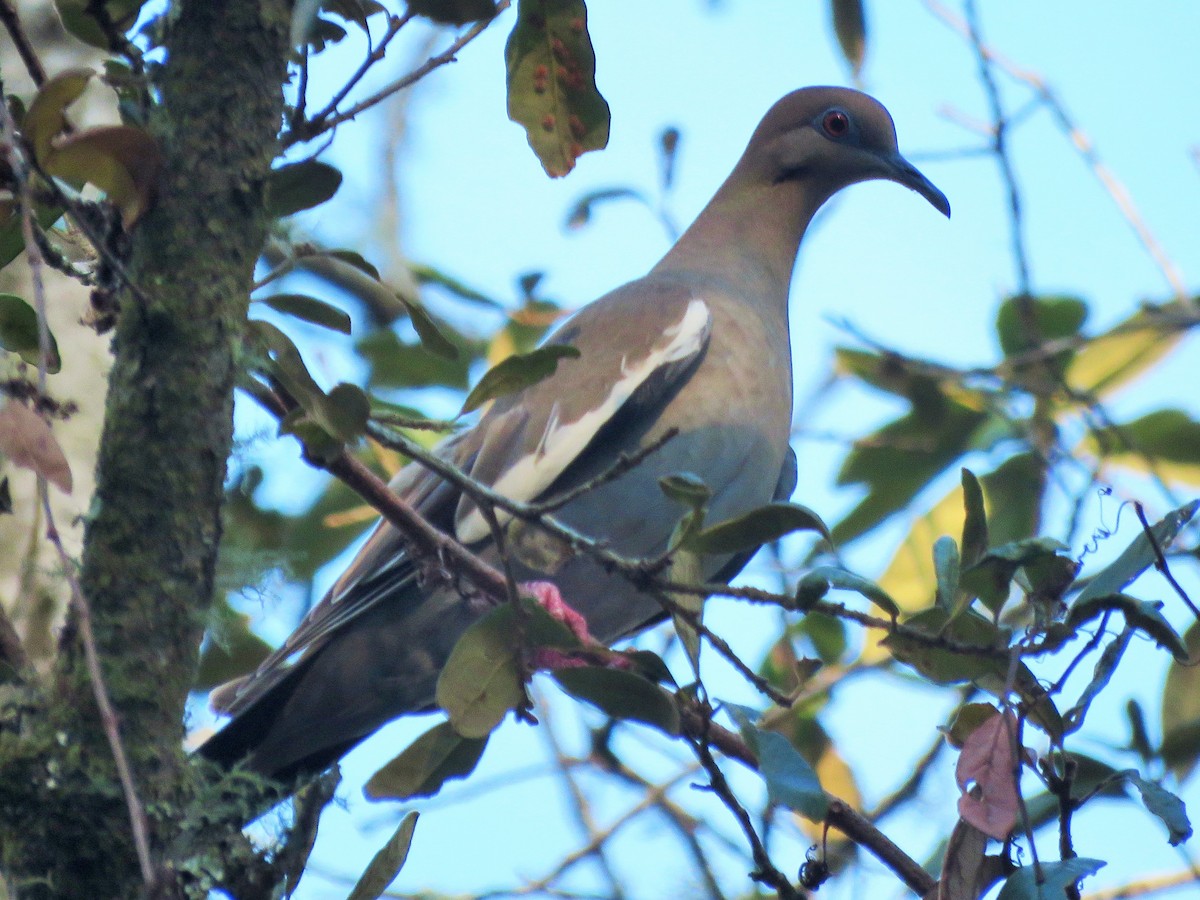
x=836 y=123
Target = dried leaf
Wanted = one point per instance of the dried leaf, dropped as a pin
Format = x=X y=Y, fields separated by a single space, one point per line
x=989 y=761
x=28 y=442
x=122 y=161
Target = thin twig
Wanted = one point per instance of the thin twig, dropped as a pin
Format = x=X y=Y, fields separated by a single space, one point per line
x=315 y=127
x=1086 y=149
x=1160 y=561
x=999 y=135
x=625 y=463
x=83 y=614
x=597 y=838
x=1145 y=887
x=374 y=55
x=12 y=24
x=765 y=871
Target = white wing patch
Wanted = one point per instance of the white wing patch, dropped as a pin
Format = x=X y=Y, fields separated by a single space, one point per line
x=561 y=443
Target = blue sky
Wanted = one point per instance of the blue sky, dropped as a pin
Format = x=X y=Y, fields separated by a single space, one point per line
x=475 y=202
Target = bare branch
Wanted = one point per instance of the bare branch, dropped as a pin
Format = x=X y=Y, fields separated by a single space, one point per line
x=319 y=126
x=1083 y=144
x=12 y=24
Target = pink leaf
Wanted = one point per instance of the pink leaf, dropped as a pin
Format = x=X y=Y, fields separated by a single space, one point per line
x=988 y=761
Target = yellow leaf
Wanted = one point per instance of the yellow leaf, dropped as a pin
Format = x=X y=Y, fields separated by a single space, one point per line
x=47 y=116
x=1112 y=360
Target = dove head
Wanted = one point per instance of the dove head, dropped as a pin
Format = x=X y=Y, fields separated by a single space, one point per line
x=827 y=138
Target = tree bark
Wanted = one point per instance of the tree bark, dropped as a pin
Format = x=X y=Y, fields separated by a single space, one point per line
x=155 y=523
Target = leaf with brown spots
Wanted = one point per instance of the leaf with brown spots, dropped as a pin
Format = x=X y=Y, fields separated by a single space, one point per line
x=552 y=85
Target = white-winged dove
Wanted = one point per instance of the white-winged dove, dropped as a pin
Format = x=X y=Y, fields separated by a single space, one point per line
x=700 y=345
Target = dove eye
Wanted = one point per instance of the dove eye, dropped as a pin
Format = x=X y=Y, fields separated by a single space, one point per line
x=836 y=123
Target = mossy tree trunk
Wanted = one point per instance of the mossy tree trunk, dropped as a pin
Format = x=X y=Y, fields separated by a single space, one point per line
x=155 y=523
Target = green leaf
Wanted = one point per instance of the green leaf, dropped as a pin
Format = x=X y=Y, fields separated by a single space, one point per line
x=1139 y=734
x=426 y=274
x=1141 y=614
x=387 y=863
x=356 y=11
x=1014 y=491
x=395 y=364
x=454 y=12
x=824 y=577
x=47 y=116
x=1138 y=556
x=850 y=26
x=122 y=161
x=1160 y=802
x=685 y=568
x=1058 y=876
x=827 y=634
x=1181 y=709
x=944 y=665
x=622 y=695
x=1181 y=747
x=581 y=213
x=346 y=411
x=946 y=567
x=428 y=331
x=687 y=489
x=304 y=18
x=1023 y=324
x=19 y=333
x=12 y=232
x=991 y=578
x=1092 y=779
x=357 y=260
x=517 y=373
x=901 y=458
x=649 y=665
x=1165 y=443
x=299 y=186
x=975 y=526
x=755 y=528
x=309 y=309
x=481 y=682
x=320 y=33
x=551 y=83
x=341 y=414
x=80 y=19
x=791 y=782
x=441 y=754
